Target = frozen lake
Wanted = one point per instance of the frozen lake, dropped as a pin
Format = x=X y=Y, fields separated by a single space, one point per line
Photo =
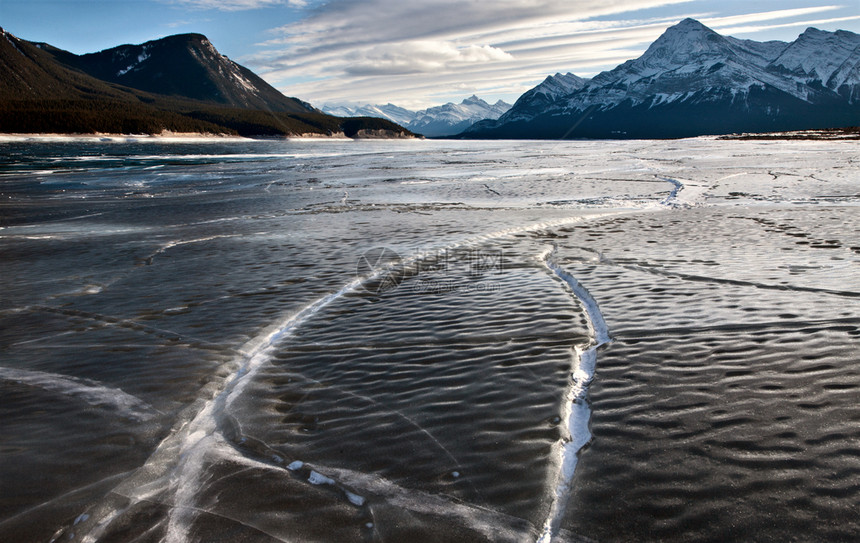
x=236 y=340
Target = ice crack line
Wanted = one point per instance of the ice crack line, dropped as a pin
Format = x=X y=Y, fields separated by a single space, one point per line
x=181 y=458
x=576 y=412
x=91 y=392
x=685 y=193
x=175 y=243
x=201 y=431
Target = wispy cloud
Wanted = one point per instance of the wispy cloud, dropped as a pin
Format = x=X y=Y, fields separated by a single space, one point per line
x=413 y=53
x=419 y=57
x=748 y=29
x=187 y=22
x=359 y=22
x=350 y=44
x=237 y=5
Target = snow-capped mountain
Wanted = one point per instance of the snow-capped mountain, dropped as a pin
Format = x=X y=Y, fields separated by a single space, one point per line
x=551 y=90
x=399 y=115
x=451 y=118
x=829 y=58
x=445 y=120
x=693 y=81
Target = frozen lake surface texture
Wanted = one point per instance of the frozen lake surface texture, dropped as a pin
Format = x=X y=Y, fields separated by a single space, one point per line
x=263 y=341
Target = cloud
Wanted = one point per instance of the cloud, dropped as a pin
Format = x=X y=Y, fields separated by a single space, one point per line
x=347 y=41
x=177 y=24
x=418 y=57
x=806 y=23
x=238 y=5
x=718 y=22
x=360 y=22
x=413 y=52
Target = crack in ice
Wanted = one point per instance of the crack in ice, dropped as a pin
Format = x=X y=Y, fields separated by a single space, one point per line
x=576 y=412
x=182 y=455
x=91 y=392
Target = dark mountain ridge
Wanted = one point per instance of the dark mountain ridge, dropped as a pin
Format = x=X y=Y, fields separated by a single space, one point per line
x=179 y=83
x=29 y=72
x=186 y=66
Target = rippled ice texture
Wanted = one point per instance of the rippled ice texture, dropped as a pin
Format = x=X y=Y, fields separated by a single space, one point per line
x=266 y=341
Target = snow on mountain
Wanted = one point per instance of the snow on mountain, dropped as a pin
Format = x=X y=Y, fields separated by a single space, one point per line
x=558 y=85
x=831 y=58
x=135 y=64
x=12 y=43
x=445 y=120
x=472 y=108
x=450 y=119
x=399 y=115
x=703 y=83
x=760 y=52
x=551 y=90
x=689 y=57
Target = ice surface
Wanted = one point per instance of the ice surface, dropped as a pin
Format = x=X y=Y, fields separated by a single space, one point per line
x=87 y=390
x=254 y=326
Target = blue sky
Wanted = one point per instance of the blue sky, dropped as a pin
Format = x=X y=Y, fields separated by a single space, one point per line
x=414 y=53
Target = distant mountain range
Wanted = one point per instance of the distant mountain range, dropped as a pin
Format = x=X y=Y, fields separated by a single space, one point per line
x=178 y=83
x=391 y=112
x=692 y=81
x=445 y=120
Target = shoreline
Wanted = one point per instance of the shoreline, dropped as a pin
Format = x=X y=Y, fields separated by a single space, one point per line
x=823 y=134
x=108 y=137
x=831 y=135
x=183 y=137
x=178 y=137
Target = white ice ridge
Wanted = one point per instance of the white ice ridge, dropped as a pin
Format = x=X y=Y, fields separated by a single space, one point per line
x=576 y=412
x=199 y=435
x=181 y=458
x=494 y=525
x=686 y=193
x=176 y=243
x=672 y=199
x=91 y=392
x=177 y=466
